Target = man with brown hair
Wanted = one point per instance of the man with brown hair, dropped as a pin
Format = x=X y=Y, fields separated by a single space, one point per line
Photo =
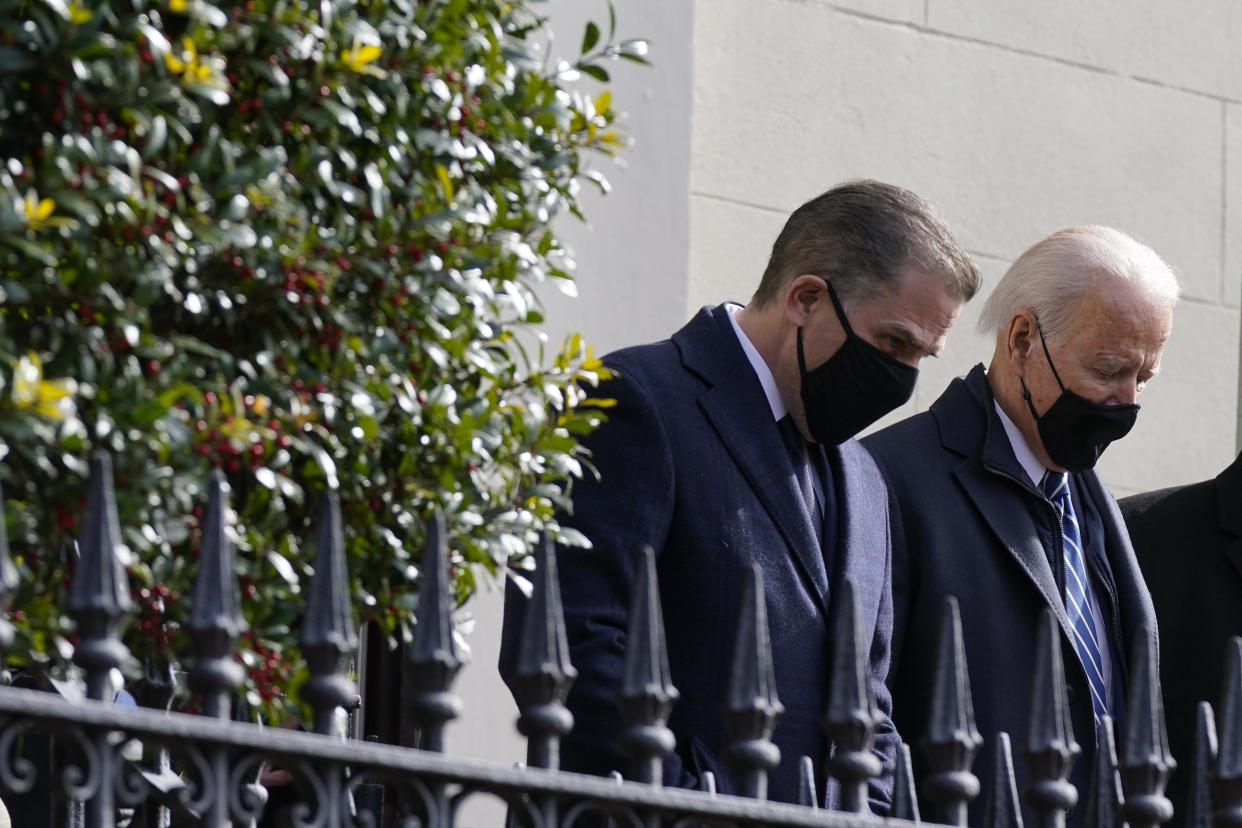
x=731 y=444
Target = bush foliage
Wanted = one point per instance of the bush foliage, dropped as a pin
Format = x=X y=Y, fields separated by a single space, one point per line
x=294 y=241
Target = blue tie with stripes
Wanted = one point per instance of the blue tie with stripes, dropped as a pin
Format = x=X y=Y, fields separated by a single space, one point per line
x=1078 y=604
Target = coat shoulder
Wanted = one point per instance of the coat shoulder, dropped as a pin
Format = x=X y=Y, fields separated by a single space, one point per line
x=904 y=443
x=1172 y=503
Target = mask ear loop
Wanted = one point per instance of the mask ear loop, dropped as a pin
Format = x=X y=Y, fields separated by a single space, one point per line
x=845 y=324
x=1047 y=355
x=801 y=358
x=1026 y=395
x=836 y=304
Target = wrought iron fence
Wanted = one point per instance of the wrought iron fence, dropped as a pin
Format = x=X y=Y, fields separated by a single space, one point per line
x=112 y=765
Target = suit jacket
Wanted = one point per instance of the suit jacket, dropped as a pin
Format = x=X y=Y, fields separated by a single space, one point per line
x=1189 y=545
x=971 y=524
x=691 y=463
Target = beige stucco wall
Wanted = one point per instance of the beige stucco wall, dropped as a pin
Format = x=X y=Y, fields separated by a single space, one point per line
x=1015 y=119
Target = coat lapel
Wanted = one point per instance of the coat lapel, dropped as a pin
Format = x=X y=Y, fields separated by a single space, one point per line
x=992 y=481
x=863 y=521
x=735 y=405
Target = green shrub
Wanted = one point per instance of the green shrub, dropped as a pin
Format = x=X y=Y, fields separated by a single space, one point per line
x=295 y=241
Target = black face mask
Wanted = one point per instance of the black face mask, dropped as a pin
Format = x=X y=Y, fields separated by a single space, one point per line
x=854 y=387
x=1074 y=430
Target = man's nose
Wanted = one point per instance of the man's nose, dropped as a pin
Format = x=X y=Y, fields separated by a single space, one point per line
x=1125 y=393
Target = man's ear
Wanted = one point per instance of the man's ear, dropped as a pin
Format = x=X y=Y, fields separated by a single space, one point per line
x=1020 y=341
x=801 y=296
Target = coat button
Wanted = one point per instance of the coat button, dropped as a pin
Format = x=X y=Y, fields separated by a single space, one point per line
x=1071 y=695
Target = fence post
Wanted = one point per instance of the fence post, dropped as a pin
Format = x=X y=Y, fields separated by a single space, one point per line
x=98 y=598
x=1104 y=799
x=905 y=801
x=433 y=657
x=214 y=626
x=215 y=617
x=852 y=716
x=433 y=660
x=328 y=636
x=808 y=791
x=1227 y=780
x=1145 y=760
x=327 y=640
x=1002 y=809
x=543 y=675
x=952 y=738
x=647 y=692
x=1050 y=745
x=751 y=705
x=1199 y=799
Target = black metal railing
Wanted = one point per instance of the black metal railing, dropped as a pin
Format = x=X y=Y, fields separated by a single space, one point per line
x=109 y=765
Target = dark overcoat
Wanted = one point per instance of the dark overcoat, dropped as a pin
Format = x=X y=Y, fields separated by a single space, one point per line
x=691 y=463
x=1189 y=545
x=970 y=523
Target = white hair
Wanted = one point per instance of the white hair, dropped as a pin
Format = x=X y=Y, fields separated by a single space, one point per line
x=1052 y=275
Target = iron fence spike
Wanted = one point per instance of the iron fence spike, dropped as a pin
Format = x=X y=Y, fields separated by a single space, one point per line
x=1104 y=797
x=808 y=791
x=543 y=674
x=433 y=658
x=1050 y=745
x=1145 y=758
x=1002 y=809
x=1199 y=801
x=1227 y=778
x=215 y=621
x=328 y=629
x=905 y=801
x=751 y=705
x=852 y=717
x=952 y=738
x=99 y=592
x=647 y=693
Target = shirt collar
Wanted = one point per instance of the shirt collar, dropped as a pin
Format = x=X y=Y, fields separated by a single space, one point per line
x=762 y=371
x=1021 y=449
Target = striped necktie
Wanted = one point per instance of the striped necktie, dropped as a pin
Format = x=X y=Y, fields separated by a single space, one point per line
x=1078 y=604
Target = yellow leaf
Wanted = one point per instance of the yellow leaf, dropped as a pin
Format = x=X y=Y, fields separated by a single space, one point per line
x=37 y=210
x=52 y=399
x=597 y=402
x=359 y=55
x=604 y=102
x=445 y=182
x=78 y=14
x=178 y=6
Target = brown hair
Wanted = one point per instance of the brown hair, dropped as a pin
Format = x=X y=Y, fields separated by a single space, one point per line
x=859 y=235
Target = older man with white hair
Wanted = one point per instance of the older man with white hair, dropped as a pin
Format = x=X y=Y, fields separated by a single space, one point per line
x=996 y=501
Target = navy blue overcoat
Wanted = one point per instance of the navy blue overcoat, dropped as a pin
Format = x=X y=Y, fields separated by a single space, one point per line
x=692 y=464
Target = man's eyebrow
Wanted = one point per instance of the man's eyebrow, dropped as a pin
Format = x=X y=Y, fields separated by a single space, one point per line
x=911 y=339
